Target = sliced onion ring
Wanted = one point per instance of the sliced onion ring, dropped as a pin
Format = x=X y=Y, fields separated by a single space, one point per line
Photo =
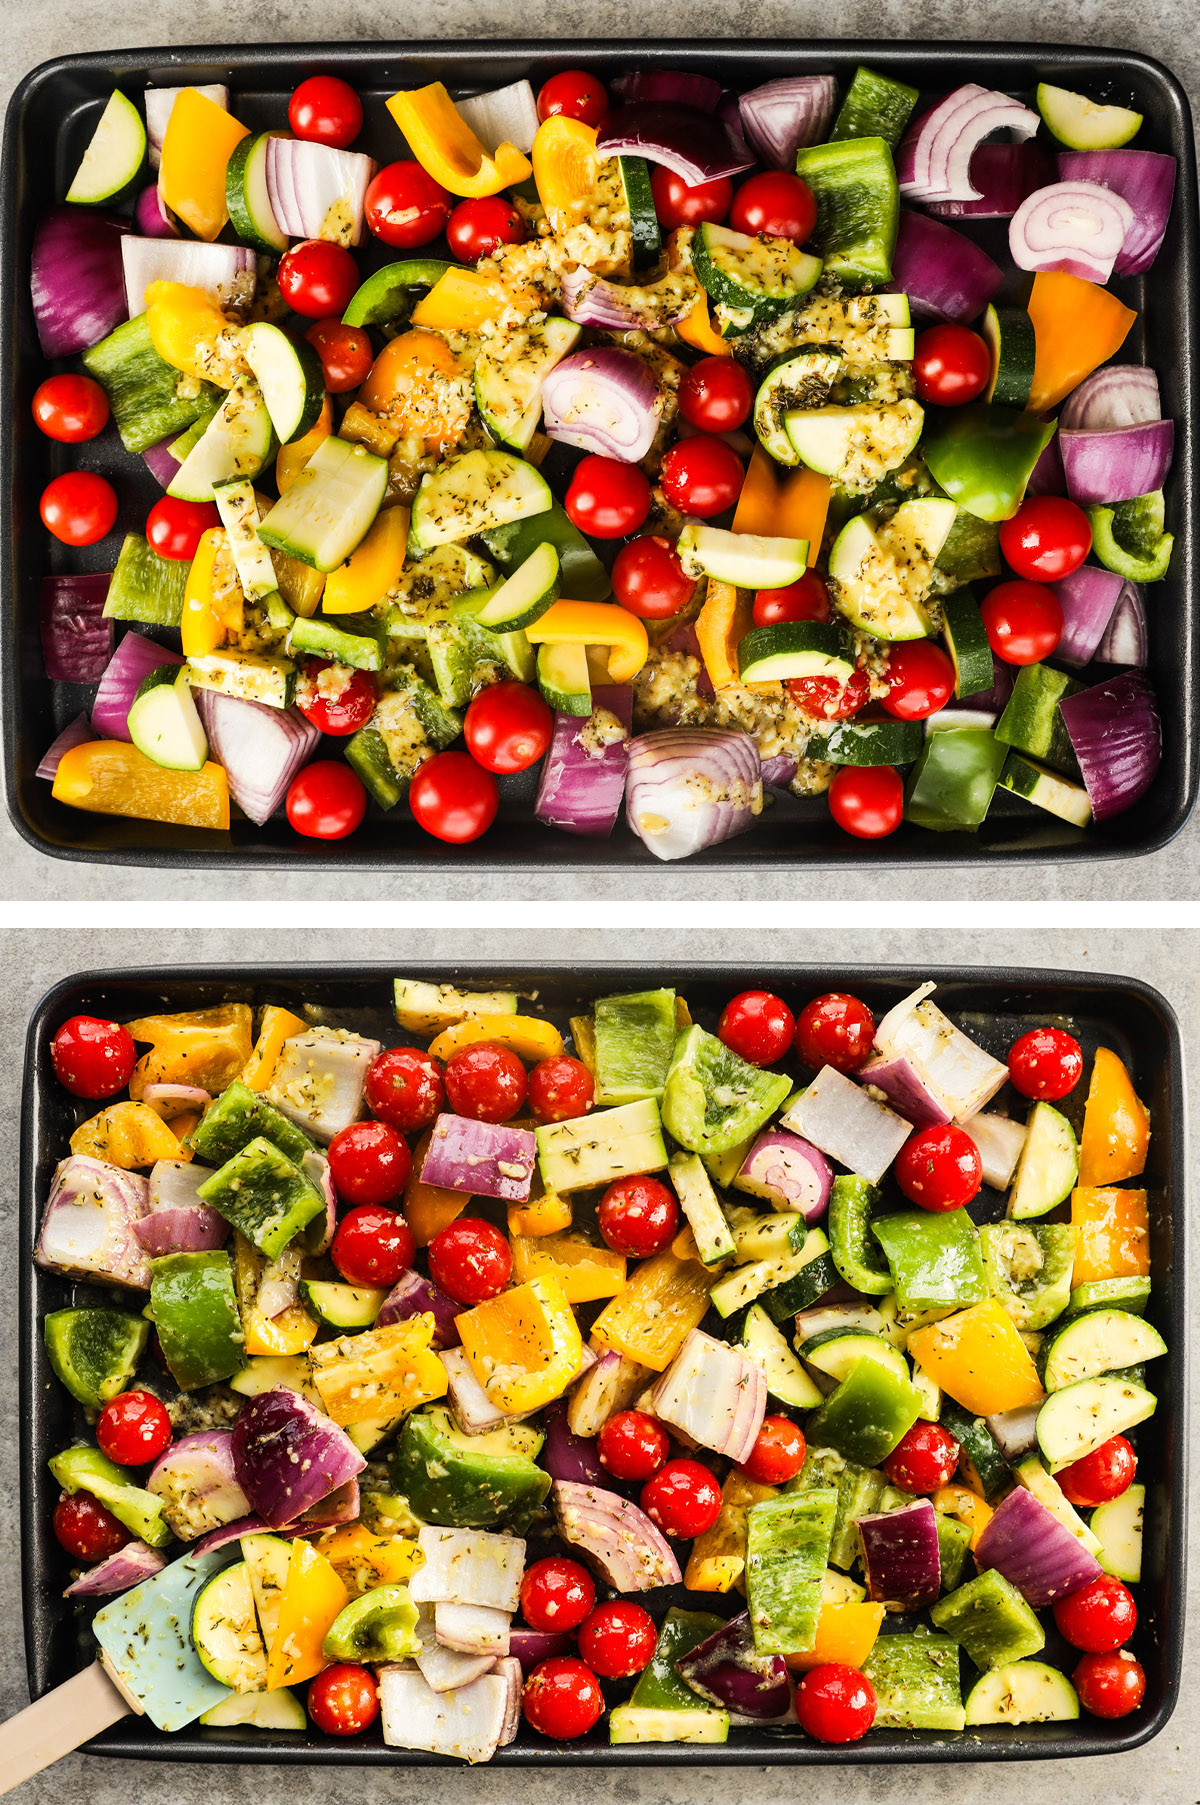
x=690 y=788
x=699 y=147
x=783 y=116
x=1114 y=395
x=934 y=162
x=1076 y=227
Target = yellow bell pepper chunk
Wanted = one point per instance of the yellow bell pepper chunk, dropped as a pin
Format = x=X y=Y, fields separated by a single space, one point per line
x=196 y=148
x=289 y=1333
x=312 y=1597
x=385 y=1372
x=293 y=456
x=181 y=1127
x=205 y=1047
x=565 y=166
x=371 y=569
x=845 y=1633
x=545 y=1215
x=696 y=329
x=127 y=1135
x=461 y=300
x=598 y=624
x=583 y=1033
x=107 y=777
x=718 y=1557
x=1112 y=1234
x=650 y=1320
x=363 y=1560
x=524 y=1346
x=1116 y=1125
x=966 y=1507
x=526 y=1035
x=584 y=1270
x=201 y=627
x=183 y=323
x=277 y=1026
x=446 y=147
x=979 y=1359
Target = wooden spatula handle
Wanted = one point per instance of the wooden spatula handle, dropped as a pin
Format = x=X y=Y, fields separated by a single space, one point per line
x=70 y=1715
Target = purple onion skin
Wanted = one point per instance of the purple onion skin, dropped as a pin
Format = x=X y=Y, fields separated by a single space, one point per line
x=900 y=1554
x=1146 y=179
x=414 y=1295
x=728 y=1670
x=904 y=1091
x=129 y=1566
x=1033 y=1550
x=671 y=87
x=1117 y=464
x=532 y=1646
x=289 y=1457
x=77 y=733
x=151 y=217
x=177 y=1229
x=78 y=283
x=573 y=1457
x=943 y=272
x=72 y=609
x=1005 y=175
x=1114 y=699
x=698 y=147
x=578 y=792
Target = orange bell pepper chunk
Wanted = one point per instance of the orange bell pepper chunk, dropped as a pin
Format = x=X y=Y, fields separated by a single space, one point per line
x=600 y=624
x=181 y=1127
x=107 y=777
x=584 y=1270
x=293 y=456
x=372 y=568
x=128 y=1135
x=965 y=1506
x=205 y=1047
x=380 y=1374
x=313 y=1595
x=1077 y=326
x=526 y=1035
x=196 y=148
x=845 y=1633
x=696 y=329
x=429 y=1208
x=446 y=147
x=524 y=1346
x=545 y=1215
x=1112 y=1234
x=277 y=1026
x=650 y=1320
x=363 y=1560
x=565 y=165
x=803 y=507
x=978 y=1357
x=758 y=503
x=725 y=619
x=1116 y=1125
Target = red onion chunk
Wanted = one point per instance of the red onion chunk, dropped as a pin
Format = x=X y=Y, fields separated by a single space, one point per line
x=175 y=1184
x=151 y=217
x=530 y=1647
x=289 y=1457
x=790 y=1173
x=1015 y=1431
x=784 y=116
x=318 y=1235
x=582 y=783
x=472 y=1409
x=506 y=115
x=415 y=1295
x=690 y=788
x=999 y=1141
x=88 y=1229
x=1077 y=227
x=610 y=1384
x=568 y=1456
x=699 y=147
x=76 y=282
x=341 y=1506
x=171 y=1100
x=1048 y=476
x=161 y=461
x=944 y=274
x=129 y=1566
x=900 y=1555
x=1127 y=637
x=194 y=1229
x=233 y=1532
x=1118 y=464
x=714 y=1394
x=607 y=400
x=485 y=1159
x=1005 y=175
x=777 y=772
x=77 y=733
x=132 y=662
x=728 y=1670
x=1113 y=395
x=196 y=1479
x=1144 y=178
x=672 y=87
x=314 y=190
x=591 y=301
x=77 y=641
x=837 y=1116
x=1087 y=598
x=949 y=1062
x=1032 y=1549
x=614 y=1537
x=224 y=271
x=261 y=748
x=905 y=1090
x=934 y=159
x=1116 y=733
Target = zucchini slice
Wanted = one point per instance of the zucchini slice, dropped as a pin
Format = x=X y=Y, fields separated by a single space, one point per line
x=967 y=644
x=115 y=153
x=247 y=199
x=1082 y=1417
x=764 y=275
x=1023 y=1692
x=225 y=1631
x=748 y=560
x=237 y=442
x=509 y=378
x=1008 y=334
x=164 y=722
x=1048 y=1165
x=1099 y=1341
x=470 y=493
x=765 y=1344
x=562 y=674
x=1083 y=124
x=524 y=596
x=643 y=218
x=800 y=379
x=330 y=507
x=1118 y=1524
x=289 y=374
x=792 y=649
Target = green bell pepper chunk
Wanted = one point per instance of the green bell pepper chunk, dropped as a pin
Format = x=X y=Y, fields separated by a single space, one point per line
x=989 y=1618
x=239 y=1116
x=787 y=1552
x=1029 y=1267
x=983 y=456
x=87 y=1470
x=954 y=1538
x=386 y=295
x=381 y=1625
x=712 y=1099
x=660 y=1688
x=94 y=1351
x=193 y=1307
x=855 y=1254
x=953 y=781
x=1130 y=538
x=872 y=1409
x=935 y=1259
x=858 y=207
x=264 y=1195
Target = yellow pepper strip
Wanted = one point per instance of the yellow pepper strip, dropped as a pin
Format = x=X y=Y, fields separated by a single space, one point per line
x=312 y=1597
x=370 y=570
x=650 y=1320
x=718 y=1557
x=127 y=1135
x=385 y=1372
x=181 y=1128
x=979 y=1359
x=584 y=1270
x=205 y=1047
x=184 y=323
x=966 y=1507
x=292 y=457
x=697 y=329
x=1116 y=1125
x=565 y=165
x=200 y=626
x=583 y=1033
x=526 y=1035
x=725 y=619
x=462 y=300
x=363 y=1560
x=524 y=1346
x=106 y=777
x=600 y=624
x=546 y=1215
x=277 y=1026
x=289 y=1333
x=845 y=1633
x=1112 y=1234
x=197 y=145
x=446 y=147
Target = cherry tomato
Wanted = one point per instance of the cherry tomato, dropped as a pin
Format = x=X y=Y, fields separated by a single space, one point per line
x=508 y=727
x=1103 y=1474
x=559 y=1088
x=776 y=204
x=835 y=1030
x=920 y=680
x=805 y=599
x=633 y=1445
x=70 y=409
x=831 y=698
x=405 y=207
x=607 y=498
x=326 y=110
x=758 y=1026
x=1099 y=1618
x=618 y=1639
x=1110 y=1685
x=835 y=1703
x=345 y=354
x=372 y=1246
x=335 y=698
x=574 y=94
x=716 y=395
x=556 y=1594
x=702 y=476
x=343 y=1700
x=369 y=1162
x=86 y=1529
x=470 y=1260
x=317 y=278
x=562 y=1698
x=453 y=798
x=649 y=580
x=1045 y=1064
x=638 y=1216
x=677 y=204
x=326 y=801
x=683 y=1498
x=405 y=1088
x=1047 y=538
x=174 y=528
x=778 y=1454
x=924 y=1459
x=476 y=228
x=867 y=800
x=939 y=1168
x=1023 y=621
x=951 y=366
x=485 y=1081
x=133 y=1428
x=92 y=1058
x=79 y=507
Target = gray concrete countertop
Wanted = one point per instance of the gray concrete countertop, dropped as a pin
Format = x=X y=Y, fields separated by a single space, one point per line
x=29 y=963
x=32 y=32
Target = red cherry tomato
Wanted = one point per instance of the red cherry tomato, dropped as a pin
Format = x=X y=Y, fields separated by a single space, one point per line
x=951 y=366
x=702 y=476
x=835 y=1030
x=133 y=1428
x=372 y=1246
x=70 y=409
x=920 y=680
x=1045 y=1064
x=683 y=1498
x=476 y=228
x=939 y=1168
x=91 y=1058
x=758 y=1026
x=1023 y=621
x=677 y=204
x=343 y=1700
x=1099 y=1618
x=618 y=1639
x=86 y=1529
x=562 y=1698
x=776 y=204
x=405 y=207
x=453 y=798
x=485 y=1081
x=633 y=1445
x=805 y=599
x=470 y=1260
x=607 y=498
x=326 y=110
x=369 y=1162
x=716 y=395
x=174 y=528
x=924 y=1459
x=326 y=801
x=79 y=507
x=1103 y=1474
x=508 y=727
x=835 y=1703
x=559 y=1088
x=335 y=698
x=1110 y=1685
x=831 y=698
x=556 y=1594
x=778 y=1454
x=574 y=94
x=649 y=580
x=345 y=354
x=1047 y=538
x=638 y=1217
x=867 y=800
x=405 y=1088
x=317 y=278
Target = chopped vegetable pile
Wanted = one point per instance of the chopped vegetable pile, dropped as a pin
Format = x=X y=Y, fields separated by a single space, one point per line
x=674 y=324
x=652 y=1391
